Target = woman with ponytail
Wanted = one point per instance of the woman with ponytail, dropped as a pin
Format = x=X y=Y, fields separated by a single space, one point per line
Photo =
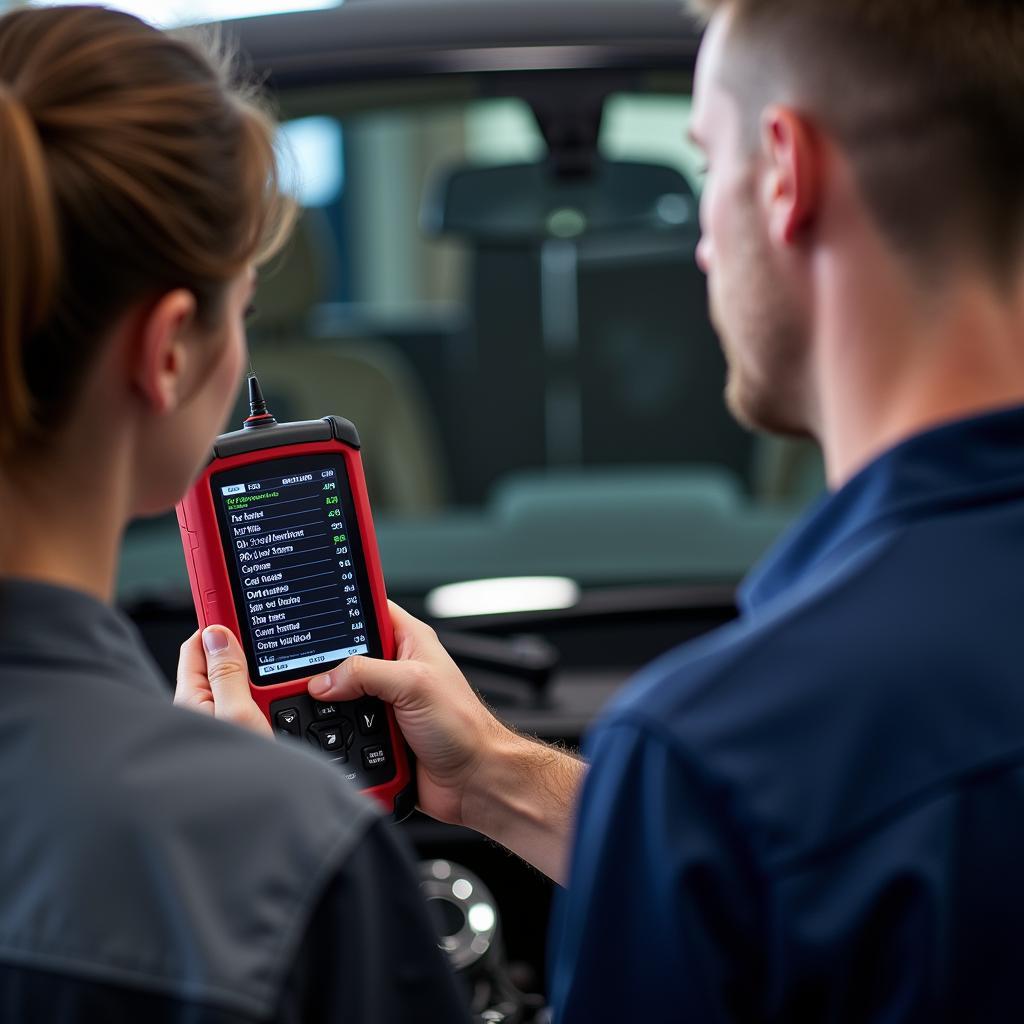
x=156 y=864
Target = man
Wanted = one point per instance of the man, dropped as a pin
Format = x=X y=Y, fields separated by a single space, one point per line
x=816 y=813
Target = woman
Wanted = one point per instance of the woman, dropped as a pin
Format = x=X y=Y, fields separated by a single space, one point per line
x=157 y=864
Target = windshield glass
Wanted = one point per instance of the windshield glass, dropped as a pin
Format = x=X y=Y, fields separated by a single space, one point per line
x=173 y=13
x=525 y=350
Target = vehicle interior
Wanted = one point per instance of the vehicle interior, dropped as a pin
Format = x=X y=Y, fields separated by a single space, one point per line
x=493 y=277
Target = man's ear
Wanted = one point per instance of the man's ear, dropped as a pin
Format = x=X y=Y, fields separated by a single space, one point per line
x=161 y=350
x=793 y=174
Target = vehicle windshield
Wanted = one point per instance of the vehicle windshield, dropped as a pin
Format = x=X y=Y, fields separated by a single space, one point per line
x=521 y=337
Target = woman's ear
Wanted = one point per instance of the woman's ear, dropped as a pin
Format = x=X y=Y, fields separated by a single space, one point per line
x=160 y=355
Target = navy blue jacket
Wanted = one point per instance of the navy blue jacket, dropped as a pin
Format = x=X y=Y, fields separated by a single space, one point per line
x=817 y=812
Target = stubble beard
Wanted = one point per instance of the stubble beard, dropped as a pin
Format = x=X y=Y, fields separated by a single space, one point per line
x=763 y=341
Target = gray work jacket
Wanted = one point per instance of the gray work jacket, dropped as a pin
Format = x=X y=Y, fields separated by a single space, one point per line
x=157 y=865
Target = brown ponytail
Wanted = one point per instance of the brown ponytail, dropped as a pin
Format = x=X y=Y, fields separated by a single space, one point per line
x=130 y=164
x=28 y=256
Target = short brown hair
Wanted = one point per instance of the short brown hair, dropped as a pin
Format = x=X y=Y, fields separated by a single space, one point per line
x=925 y=96
x=131 y=166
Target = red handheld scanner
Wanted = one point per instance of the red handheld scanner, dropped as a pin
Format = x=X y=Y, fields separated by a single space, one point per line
x=280 y=548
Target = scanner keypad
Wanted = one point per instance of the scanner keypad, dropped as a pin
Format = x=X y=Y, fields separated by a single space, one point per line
x=352 y=734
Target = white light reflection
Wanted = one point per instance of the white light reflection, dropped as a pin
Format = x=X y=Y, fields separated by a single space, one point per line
x=312 y=159
x=462 y=888
x=510 y=594
x=171 y=13
x=480 y=917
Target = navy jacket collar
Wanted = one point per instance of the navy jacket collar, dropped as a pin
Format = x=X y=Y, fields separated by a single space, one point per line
x=967 y=462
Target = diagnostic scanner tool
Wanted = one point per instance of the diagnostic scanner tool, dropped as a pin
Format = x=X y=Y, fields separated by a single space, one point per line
x=280 y=548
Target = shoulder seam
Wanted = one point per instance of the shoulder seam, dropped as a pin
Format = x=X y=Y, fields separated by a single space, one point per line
x=143 y=981
x=796 y=863
x=257 y=1002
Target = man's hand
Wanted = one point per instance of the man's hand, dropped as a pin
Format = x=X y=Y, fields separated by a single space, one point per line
x=471 y=769
x=442 y=718
x=214 y=680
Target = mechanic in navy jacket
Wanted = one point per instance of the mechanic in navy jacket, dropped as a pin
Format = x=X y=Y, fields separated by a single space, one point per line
x=817 y=812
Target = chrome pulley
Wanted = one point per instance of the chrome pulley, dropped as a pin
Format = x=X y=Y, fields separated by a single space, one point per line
x=466 y=916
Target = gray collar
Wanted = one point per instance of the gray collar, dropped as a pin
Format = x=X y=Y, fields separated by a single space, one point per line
x=43 y=625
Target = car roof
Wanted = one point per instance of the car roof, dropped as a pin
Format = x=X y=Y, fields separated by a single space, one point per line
x=370 y=39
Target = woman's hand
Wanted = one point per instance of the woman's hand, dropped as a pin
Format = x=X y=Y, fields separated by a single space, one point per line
x=214 y=680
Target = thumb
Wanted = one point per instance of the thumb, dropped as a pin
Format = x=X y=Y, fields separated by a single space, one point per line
x=228 y=674
x=358 y=676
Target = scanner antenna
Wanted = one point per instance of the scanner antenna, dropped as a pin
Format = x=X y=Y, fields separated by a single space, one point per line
x=258 y=414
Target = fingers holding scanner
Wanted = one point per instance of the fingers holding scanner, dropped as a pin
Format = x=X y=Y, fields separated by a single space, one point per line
x=444 y=721
x=213 y=679
x=471 y=769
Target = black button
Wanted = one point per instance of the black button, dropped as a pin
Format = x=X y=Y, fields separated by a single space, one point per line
x=374 y=757
x=288 y=721
x=335 y=737
x=371 y=718
x=325 y=710
x=332 y=739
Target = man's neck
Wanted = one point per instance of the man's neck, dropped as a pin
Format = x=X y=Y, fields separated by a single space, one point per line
x=891 y=364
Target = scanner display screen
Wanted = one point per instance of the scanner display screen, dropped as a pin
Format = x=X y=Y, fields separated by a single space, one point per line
x=291 y=543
